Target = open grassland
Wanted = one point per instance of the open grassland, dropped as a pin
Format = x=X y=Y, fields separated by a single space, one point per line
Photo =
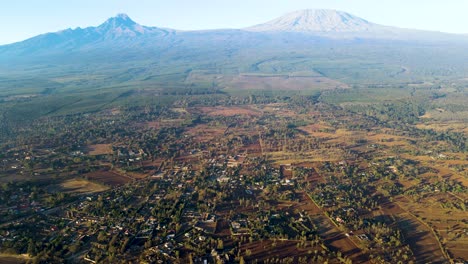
x=455 y=126
x=277 y=109
x=99 y=149
x=79 y=186
x=363 y=95
x=264 y=81
x=229 y=111
x=164 y=123
x=280 y=82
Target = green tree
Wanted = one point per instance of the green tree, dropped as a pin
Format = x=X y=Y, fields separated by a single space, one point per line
x=32 y=251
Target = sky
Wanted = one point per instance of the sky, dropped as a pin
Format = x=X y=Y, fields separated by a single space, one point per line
x=22 y=19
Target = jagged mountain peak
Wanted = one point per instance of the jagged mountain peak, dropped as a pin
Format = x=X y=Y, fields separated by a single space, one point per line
x=122 y=26
x=316 y=20
x=119 y=20
x=122 y=16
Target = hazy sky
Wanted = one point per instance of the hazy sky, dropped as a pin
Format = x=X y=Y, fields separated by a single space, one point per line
x=21 y=19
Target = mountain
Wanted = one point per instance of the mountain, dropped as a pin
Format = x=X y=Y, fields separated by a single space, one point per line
x=326 y=43
x=120 y=30
x=123 y=26
x=317 y=20
x=341 y=25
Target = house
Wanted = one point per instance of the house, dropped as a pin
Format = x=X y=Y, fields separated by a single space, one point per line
x=363 y=237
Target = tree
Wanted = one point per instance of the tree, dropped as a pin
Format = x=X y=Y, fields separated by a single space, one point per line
x=101 y=236
x=124 y=245
x=241 y=260
x=75 y=247
x=148 y=243
x=31 y=248
x=220 y=244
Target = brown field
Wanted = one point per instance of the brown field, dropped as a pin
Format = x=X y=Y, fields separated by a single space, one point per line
x=280 y=82
x=13 y=259
x=17 y=177
x=338 y=137
x=252 y=149
x=163 y=123
x=278 y=109
x=421 y=240
x=319 y=155
x=263 y=250
x=99 y=149
x=306 y=205
x=222 y=228
x=387 y=140
x=314 y=128
x=204 y=133
x=135 y=175
x=334 y=237
x=229 y=111
x=419 y=237
x=410 y=183
x=156 y=163
x=448 y=223
x=347 y=137
x=417 y=231
x=79 y=186
x=108 y=178
x=209 y=227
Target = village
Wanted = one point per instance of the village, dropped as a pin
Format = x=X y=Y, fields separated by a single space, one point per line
x=222 y=189
x=169 y=214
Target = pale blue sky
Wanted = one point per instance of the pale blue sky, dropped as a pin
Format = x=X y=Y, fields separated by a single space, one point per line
x=21 y=19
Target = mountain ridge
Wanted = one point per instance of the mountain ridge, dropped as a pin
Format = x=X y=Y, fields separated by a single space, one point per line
x=324 y=22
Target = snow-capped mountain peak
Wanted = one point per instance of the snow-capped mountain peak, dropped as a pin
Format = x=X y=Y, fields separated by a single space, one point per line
x=316 y=20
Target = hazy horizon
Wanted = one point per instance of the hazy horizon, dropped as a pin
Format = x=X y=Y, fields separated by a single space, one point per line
x=22 y=19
